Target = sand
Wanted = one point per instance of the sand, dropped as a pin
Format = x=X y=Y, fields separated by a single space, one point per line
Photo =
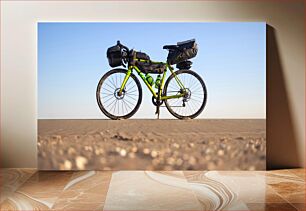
x=200 y=144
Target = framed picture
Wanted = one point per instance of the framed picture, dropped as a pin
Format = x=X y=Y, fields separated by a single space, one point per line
x=153 y=96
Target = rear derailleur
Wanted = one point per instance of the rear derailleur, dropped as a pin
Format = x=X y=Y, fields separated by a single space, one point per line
x=186 y=97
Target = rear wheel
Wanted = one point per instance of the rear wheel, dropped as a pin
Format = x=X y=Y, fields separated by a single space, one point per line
x=113 y=104
x=193 y=102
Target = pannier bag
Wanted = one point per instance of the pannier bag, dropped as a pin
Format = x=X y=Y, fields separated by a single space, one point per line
x=149 y=67
x=114 y=56
x=184 y=51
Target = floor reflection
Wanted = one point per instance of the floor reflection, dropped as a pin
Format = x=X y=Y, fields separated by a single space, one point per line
x=28 y=189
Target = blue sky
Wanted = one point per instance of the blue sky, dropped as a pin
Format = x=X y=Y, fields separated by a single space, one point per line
x=72 y=58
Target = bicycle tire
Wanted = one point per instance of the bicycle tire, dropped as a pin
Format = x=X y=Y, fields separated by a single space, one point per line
x=100 y=103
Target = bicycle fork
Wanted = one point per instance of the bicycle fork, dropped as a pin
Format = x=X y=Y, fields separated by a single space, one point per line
x=126 y=78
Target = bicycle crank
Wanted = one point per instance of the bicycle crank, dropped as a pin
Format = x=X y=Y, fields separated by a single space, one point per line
x=157 y=102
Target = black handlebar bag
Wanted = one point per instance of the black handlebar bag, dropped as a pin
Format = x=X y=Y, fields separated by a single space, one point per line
x=114 y=56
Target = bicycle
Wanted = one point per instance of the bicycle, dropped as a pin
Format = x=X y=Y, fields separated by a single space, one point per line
x=119 y=92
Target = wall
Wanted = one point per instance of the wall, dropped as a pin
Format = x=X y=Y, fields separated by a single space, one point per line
x=285 y=63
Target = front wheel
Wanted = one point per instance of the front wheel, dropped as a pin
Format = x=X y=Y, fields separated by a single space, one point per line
x=113 y=104
x=193 y=102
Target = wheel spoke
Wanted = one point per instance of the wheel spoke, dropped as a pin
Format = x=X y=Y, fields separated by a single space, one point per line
x=108 y=86
x=112 y=82
x=128 y=102
x=132 y=98
x=131 y=94
x=111 y=102
x=125 y=105
x=116 y=81
x=107 y=94
x=133 y=91
x=115 y=105
x=108 y=97
x=108 y=100
x=129 y=82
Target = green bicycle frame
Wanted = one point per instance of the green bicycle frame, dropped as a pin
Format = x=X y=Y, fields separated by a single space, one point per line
x=142 y=76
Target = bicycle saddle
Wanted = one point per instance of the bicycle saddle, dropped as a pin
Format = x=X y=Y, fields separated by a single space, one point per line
x=170 y=47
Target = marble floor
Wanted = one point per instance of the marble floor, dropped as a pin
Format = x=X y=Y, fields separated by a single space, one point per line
x=28 y=189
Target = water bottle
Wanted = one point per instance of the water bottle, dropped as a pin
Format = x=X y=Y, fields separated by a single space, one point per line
x=149 y=79
x=157 y=82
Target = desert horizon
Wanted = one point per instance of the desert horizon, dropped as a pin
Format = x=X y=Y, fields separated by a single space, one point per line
x=146 y=144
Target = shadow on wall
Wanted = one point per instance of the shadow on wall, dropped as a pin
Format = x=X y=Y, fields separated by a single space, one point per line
x=281 y=140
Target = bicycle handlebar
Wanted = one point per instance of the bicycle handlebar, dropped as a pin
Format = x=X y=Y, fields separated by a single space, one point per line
x=125 y=52
x=122 y=46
